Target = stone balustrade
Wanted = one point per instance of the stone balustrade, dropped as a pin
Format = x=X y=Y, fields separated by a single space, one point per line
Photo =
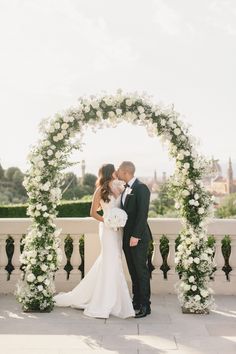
x=163 y=280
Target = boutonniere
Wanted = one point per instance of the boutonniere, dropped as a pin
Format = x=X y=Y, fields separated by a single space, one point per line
x=129 y=190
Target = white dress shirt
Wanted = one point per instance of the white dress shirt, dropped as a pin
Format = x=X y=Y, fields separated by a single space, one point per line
x=128 y=189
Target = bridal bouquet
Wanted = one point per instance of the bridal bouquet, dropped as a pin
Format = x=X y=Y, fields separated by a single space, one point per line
x=115 y=218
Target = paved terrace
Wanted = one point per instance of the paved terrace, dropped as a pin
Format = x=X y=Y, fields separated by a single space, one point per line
x=166 y=330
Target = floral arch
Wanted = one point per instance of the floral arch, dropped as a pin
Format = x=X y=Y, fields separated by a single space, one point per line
x=41 y=255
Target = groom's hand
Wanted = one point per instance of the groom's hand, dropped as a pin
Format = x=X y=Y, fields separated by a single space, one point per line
x=133 y=241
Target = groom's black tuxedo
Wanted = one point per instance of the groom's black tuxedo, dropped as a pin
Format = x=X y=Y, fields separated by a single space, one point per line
x=136 y=205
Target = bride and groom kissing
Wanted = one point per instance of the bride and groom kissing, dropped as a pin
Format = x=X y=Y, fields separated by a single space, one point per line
x=104 y=291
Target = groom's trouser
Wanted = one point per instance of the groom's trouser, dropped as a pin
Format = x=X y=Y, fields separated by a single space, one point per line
x=136 y=258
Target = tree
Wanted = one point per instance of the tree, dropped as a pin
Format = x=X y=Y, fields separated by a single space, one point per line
x=1 y=172
x=227 y=207
x=9 y=173
x=164 y=204
x=89 y=180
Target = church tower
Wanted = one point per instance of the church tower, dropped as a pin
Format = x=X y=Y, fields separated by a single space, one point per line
x=83 y=166
x=230 y=178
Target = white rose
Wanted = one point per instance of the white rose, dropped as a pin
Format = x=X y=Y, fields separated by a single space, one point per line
x=118 y=111
x=163 y=122
x=57 y=126
x=191 y=202
x=187 y=287
x=177 y=205
x=41 y=164
x=55 y=138
x=40 y=278
x=31 y=277
x=142 y=116
x=111 y=114
x=196 y=196
x=201 y=211
x=194 y=287
x=185 y=193
x=44 y=267
x=40 y=288
x=190 y=260
x=191 y=279
x=177 y=131
x=186 y=165
x=60 y=136
x=65 y=126
x=58 y=154
x=196 y=260
x=140 y=109
x=204 y=293
x=197 y=297
x=196 y=203
x=129 y=102
x=49 y=152
x=49 y=257
x=33 y=261
x=180 y=156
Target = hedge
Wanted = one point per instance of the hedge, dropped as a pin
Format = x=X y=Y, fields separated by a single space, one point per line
x=65 y=209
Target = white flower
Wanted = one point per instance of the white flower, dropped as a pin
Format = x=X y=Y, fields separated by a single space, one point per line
x=196 y=260
x=57 y=126
x=142 y=116
x=65 y=126
x=163 y=122
x=31 y=277
x=177 y=205
x=185 y=193
x=118 y=111
x=204 y=293
x=191 y=202
x=44 y=267
x=129 y=102
x=186 y=165
x=177 y=131
x=50 y=152
x=140 y=109
x=196 y=196
x=49 y=257
x=194 y=287
x=197 y=297
x=201 y=211
x=40 y=278
x=191 y=279
x=40 y=288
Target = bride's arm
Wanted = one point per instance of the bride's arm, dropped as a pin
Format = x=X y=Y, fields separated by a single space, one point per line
x=96 y=205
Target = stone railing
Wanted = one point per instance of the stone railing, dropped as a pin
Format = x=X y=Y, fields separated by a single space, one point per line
x=12 y=230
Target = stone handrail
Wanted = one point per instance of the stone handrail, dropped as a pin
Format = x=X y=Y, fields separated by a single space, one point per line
x=77 y=227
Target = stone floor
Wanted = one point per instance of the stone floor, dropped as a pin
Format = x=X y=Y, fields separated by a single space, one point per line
x=166 y=330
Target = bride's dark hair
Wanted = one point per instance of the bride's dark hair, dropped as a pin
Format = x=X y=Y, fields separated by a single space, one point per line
x=104 y=177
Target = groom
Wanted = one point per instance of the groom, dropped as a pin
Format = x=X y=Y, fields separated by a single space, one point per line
x=135 y=201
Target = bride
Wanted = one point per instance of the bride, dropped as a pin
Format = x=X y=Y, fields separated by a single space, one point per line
x=103 y=291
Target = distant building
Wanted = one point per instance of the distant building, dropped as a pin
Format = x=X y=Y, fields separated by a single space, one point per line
x=218 y=184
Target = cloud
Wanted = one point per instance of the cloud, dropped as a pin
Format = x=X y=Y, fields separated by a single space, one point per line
x=168 y=19
x=222 y=15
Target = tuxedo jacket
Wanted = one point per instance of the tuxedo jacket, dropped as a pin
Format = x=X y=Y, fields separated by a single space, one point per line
x=136 y=205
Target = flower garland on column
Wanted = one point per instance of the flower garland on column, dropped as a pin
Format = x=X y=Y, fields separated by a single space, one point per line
x=41 y=255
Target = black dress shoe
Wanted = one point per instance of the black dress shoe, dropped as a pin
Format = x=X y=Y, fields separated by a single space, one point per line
x=136 y=306
x=144 y=311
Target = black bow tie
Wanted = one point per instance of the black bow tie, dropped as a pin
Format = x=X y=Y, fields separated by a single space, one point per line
x=126 y=185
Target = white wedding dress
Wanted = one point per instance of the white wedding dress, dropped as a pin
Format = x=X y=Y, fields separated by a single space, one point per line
x=103 y=291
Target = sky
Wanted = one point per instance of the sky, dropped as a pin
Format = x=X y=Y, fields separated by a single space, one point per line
x=181 y=52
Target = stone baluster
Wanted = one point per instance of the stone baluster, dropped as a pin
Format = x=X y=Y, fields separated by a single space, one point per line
x=16 y=258
x=218 y=258
x=232 y=259
x=156 y=256
x=75 y=260
x=3 y=259
x=172 y=274
x=61 y=274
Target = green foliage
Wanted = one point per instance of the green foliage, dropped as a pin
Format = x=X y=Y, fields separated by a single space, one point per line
x=65 y=209
x=227 y=208
x=89 y=180
x=164 y=205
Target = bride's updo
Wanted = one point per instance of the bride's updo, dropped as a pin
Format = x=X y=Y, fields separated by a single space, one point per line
x=105 y=176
